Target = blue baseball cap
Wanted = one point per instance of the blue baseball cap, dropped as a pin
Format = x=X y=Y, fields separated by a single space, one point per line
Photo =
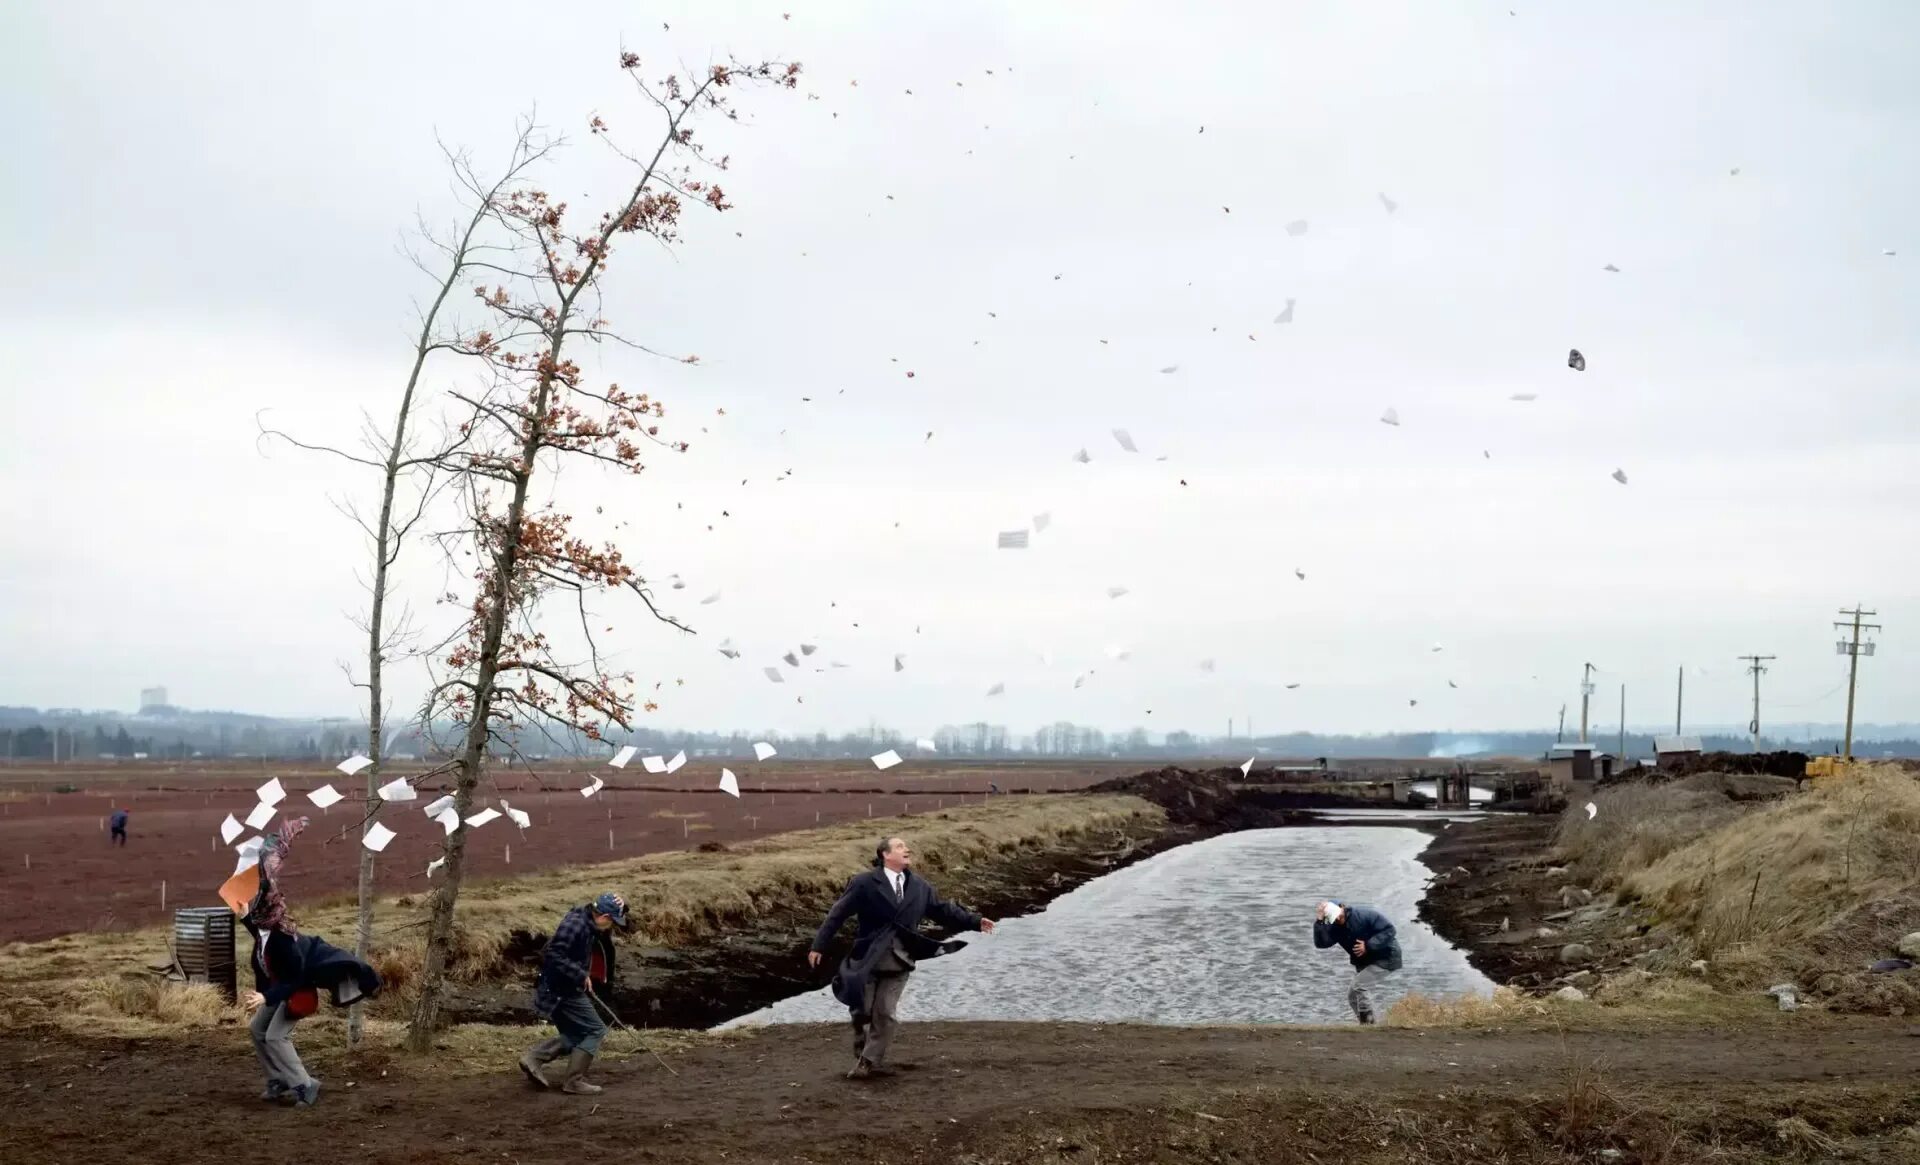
x=613 y=906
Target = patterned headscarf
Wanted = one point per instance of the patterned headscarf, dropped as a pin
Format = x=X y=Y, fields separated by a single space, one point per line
x=269 y=908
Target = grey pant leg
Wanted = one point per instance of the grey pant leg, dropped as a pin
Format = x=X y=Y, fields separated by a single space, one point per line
x=883 y=1005
x=272 y=1031
x=1365 y=981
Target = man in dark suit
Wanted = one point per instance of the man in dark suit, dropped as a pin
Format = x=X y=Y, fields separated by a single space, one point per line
x=890 y=903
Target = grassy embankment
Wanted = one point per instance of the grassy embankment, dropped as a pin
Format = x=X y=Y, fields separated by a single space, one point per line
x=103 y=981
x=1809 y=888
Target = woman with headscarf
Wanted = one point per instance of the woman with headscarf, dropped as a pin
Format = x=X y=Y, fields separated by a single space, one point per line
x=289 y=972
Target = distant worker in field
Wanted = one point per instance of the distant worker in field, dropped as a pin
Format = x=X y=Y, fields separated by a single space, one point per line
x=579 y=956
x=890 y=903
x=1369 y=941
x=118 y=823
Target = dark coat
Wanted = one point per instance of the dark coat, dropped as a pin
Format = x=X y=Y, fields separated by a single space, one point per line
x=883 y=918
x=1363 y=924
x=576 y=950
x=284 y=964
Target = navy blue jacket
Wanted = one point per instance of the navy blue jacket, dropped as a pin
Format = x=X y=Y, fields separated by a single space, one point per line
x=1363 y=924
x=284 y=964
x=569 y=959
x=119 y=819
x=869 y=897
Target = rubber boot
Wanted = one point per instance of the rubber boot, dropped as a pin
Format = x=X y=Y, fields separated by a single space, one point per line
x=577 y=1065
x=537 y=1056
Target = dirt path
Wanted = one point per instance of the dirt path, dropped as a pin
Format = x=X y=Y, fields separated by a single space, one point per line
x=976 y=1090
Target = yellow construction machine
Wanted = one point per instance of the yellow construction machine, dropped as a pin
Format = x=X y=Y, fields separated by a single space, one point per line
x=1825 y=770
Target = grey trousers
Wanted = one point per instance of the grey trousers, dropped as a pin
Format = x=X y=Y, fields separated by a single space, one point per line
x=272 y=1030
x=1366 y=979
x=882 y=1005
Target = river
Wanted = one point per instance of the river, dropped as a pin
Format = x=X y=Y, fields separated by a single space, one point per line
x=1220 y=931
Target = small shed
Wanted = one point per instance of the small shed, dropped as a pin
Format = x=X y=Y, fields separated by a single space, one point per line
x=1572 y=761
x=1672 y=751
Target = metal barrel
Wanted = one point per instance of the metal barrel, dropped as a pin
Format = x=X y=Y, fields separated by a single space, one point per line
x=203 y=944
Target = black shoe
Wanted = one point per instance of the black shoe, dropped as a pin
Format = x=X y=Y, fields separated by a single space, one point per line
x=860 y=1070
x=276 y=1092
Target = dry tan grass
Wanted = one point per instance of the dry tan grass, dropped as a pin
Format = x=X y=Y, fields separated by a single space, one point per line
x=1505 y=1005
x=1636 y=825
x=675 y=898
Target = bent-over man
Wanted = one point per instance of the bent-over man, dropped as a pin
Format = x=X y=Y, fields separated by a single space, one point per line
x=118 y=823
x=578 y=956
x=1369 y=941
x=890 y=903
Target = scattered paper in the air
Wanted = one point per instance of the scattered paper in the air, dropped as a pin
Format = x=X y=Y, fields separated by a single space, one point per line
x=996 y=689
x=1390 y=417
x=449 y=819
x=270 y=793
x=397 y=790
x=809 y=648
x=679 y=759
x=1576 y=361
x=519 y=817
x=1126 y=440
x=1592 y=811
x=925 y=745
x=377 y=837
x=1525 y=396
x=353 y=764
x=1299 y=574
x=621 y=758
x=654 y=764
x=248 y=852
x=438 y=806
x=728 y=649
x=1439 y=647
x=230 y=829
x=1389 y=203
x=729 y=783
x=1286 y=316
x=764 y=751
x=434 y=865
x=1620 y=475
x=1889 y=254
x=710 y=599
x=791 y=659
x=1082 y=457
x=773 y=673
x=1080 y=679
x=1297 y=227
x=1246 y=768
x=595 y=787
x=886 y=760
x=1612 y=268
x=324 y=796
x=483 y=817
x=1115 y=651
x=1116 y=592
x=1170 y=368
x=1013 y=540
x=1041 y=522
x=899 y=663
x=262 y=813
x=1206 y=665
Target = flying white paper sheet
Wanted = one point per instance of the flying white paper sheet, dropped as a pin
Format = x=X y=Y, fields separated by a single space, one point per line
x=1286 y=316
x=886 y=760
x=324 y=796
x=1524 y=396
x=710 y=599
x=590 y=790
x=249 y=851
x=621 y=758
x=262 y=813
x=1297 y=227
x=1125 y=439
x=1389 y=203
x=996 y=689
x=791 y=659
x=439 y=806
x=1206 y=665
x=481 y=818
x=773 y=673
x=1080 y=679
x=1612 y=268
x=809 y=648
x=729 y=783
x=679 y=759
x=1082 y=457
x=398 y=790
x=519 y=817
x=270 y=793
x=1620 y=475
x=925 y=745
x=763 y=751
x=1171 y=368
x=377 y=837
x=1012 y=540
x=1041 y=522
x=654 y=764
x=434 y=865
x=728 y=649
x=1390 y=417
x=230 y=829
x=1115 y=651
x=1592 y=811
x=449 y=820
x=1575 y=360
x=1246 y=768
x=1116 y=592
x=899 y=663
x=353 y=764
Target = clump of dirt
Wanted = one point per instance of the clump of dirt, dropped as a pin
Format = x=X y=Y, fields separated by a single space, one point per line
x=1772 y=764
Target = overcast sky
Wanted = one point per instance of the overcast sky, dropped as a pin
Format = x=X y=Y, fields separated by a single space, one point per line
x=207 y=205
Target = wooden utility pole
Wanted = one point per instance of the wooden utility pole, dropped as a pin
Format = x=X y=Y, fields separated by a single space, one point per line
x=1586 y=694
x=1854 y=648
x=1757 y=665
x=1623 y=726
x=1679 y=697
x=1560 y=733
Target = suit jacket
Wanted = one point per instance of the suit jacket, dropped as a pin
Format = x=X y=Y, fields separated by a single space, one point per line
x=1363 y=924
x=284 y=964
x=887 y=924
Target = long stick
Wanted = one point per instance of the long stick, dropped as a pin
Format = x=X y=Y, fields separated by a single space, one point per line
x=636 y=1035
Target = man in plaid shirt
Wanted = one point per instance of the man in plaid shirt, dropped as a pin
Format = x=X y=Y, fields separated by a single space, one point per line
x=579 y=955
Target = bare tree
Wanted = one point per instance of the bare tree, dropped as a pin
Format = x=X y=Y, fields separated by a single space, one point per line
x=504 y=672
x=395 y=456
